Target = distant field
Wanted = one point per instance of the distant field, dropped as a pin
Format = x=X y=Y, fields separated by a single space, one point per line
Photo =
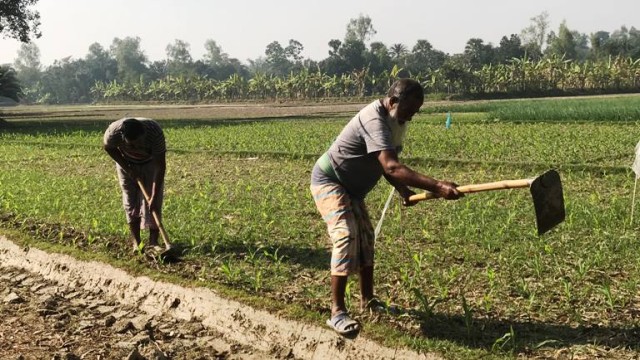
x=475 y=278
x=167 y=112
x=594 y=108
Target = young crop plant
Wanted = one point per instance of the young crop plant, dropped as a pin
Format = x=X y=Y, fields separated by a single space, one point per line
x=237 y=200
x=609 y=298
x=231 y=273
x=468 y=315
x=506 y=342
x=426 y=306
x=277 y=259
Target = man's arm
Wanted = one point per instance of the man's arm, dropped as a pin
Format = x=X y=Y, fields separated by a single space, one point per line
x=116 y=155
x=403 y=190
x=401 y=176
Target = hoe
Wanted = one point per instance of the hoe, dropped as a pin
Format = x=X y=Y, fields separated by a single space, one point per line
x=546 y=191
x=170 y=253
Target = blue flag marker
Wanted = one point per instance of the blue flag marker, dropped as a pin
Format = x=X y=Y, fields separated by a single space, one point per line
x=447 y=124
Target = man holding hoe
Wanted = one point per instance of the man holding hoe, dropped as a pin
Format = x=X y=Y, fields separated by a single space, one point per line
x=138 y=147
x=366 y=149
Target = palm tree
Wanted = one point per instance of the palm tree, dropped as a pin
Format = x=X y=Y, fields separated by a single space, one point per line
x=398 y=51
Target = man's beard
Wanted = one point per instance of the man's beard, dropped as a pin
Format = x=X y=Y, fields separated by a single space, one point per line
x=393 y=114
x=398 y=130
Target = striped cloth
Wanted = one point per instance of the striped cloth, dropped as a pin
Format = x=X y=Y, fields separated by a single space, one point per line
x=349 y=228
x=152 y=145
x=135 y=206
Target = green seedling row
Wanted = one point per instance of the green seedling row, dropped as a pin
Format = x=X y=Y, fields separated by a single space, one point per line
x=472 y=275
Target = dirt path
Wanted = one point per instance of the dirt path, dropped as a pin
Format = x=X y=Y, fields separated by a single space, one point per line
x=40 y=319
x=54 y=306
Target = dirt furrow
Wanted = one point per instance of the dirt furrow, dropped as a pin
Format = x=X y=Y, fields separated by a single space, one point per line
x=54 y=306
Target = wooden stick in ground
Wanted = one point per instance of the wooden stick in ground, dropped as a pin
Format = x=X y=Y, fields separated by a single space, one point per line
x=384 y=210
x=633 y=201
x=165 y=236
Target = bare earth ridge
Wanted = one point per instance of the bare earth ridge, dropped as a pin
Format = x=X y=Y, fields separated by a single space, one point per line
x=54 y=306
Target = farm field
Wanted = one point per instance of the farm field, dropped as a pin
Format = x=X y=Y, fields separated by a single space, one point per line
x=472 y=276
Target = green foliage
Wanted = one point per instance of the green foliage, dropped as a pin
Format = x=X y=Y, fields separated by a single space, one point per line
x=606 y=109
x=123 y=74
x=360 y=29
x=130 y=58
x=283 y=60
x=475 y=279
x=9 y=84
x=179 y=60
x=18 y=21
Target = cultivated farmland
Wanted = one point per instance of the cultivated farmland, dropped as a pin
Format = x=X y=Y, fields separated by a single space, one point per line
x=473 y=278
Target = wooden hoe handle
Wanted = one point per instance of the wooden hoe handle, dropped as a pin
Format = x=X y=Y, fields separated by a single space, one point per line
x=498 y=185
x=164 y=234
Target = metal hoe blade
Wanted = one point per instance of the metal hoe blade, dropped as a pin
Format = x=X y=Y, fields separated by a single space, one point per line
x=548 y=200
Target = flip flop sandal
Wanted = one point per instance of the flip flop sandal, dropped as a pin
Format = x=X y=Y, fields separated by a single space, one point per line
x=343 y=324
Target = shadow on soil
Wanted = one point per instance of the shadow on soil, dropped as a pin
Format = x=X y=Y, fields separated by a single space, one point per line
x=311 y=258
x=489 y=334
x=523 y=337
x=307 y=257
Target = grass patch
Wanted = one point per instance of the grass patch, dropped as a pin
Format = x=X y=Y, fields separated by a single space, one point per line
x=604 y=108
x=473 y=277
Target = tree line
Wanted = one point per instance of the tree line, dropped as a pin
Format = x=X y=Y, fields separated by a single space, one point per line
x=537 y=61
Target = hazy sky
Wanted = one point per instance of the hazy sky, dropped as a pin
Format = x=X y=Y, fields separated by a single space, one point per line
x=243 y=28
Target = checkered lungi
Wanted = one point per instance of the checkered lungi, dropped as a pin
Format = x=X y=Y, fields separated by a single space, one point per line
x=349 y=228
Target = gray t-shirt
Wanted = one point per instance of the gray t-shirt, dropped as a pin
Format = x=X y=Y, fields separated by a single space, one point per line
x=154 y=143
x=353 y=155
